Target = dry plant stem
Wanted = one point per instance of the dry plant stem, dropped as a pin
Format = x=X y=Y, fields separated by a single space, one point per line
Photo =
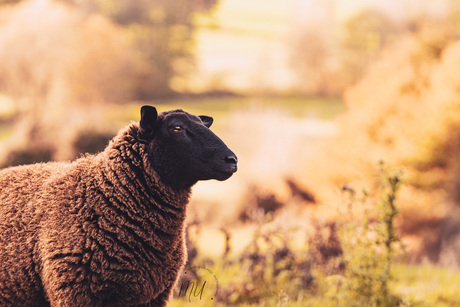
x=390 y=185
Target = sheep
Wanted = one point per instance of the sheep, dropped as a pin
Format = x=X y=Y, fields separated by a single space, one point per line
x=107 y=229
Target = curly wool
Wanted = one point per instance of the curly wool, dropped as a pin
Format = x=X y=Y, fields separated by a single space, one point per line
x=103 y=230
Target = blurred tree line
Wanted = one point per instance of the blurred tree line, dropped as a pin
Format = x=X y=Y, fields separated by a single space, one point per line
x=162 y=31
x=328 y=58
x=62 y=60
x=162 y=36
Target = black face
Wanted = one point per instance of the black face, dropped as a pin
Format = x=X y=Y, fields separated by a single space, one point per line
x=183 y=149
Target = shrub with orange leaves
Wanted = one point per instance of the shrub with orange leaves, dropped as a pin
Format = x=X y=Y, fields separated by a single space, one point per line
x=405 y=111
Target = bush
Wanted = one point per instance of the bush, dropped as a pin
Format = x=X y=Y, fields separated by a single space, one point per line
x=369 y=250
x=29 y=155
x=344 y=263
x=91 y=141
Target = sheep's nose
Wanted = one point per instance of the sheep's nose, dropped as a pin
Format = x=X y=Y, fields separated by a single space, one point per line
x=231 y=159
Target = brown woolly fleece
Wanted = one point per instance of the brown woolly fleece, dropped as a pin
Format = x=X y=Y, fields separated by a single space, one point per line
x=58 y=241
x=103 y=230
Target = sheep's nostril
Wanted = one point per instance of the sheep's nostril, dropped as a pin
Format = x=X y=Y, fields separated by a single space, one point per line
x=231 y=159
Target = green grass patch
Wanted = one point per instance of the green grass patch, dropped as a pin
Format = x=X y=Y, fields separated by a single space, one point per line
x=323 y=108
x=427 y=285
x=416 y=285
x=219 y=107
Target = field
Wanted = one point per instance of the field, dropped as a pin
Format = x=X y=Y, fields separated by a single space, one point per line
x=346 y=201
x=221 y=247
x=221 y=107
x=421 y=285
x=254 y=242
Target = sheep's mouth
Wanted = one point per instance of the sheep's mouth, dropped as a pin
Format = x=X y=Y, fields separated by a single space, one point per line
x=224 y=174
x=230 y=169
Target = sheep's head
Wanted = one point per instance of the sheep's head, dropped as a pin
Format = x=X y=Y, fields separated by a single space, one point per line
x=183 y=149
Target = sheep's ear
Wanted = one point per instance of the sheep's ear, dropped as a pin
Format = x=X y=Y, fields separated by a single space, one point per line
x=149 y=116
x=207 y=120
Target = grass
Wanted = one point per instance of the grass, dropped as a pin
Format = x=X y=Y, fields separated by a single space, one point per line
x=427 y=285
x=359 y=263
x=120 y=115
x=416 y=285
x=321 y=108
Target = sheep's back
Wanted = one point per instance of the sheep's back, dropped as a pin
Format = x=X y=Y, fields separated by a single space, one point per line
x=20 y=186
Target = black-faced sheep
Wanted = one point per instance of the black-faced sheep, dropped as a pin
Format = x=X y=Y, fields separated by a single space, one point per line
x=107 y=229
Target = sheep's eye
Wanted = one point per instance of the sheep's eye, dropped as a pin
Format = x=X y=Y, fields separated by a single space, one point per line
x=177 y=128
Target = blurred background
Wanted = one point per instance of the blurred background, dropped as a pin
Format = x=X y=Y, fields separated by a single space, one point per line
x=310 y=94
